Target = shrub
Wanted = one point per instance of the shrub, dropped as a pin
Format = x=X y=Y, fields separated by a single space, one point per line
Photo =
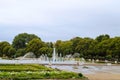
x=80 y=75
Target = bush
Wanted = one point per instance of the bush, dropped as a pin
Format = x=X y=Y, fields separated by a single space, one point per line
x=80 y=75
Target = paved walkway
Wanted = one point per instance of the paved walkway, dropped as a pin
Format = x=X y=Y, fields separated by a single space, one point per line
x=103 y=76
x=94 y=72
x=106 y=73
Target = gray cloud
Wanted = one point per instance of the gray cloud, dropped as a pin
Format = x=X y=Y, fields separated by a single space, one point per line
x=59 y=19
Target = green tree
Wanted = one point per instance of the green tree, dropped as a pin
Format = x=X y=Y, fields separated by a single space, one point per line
x=58 y=46
x=102 y=48
x=22 y=39
x=34 y=45
x=66 y=48
x=83 y=47
x=2 y=46
x=11 y=52
x=102 y=37
x=115 y=48
x=6 y=49
x=75 y=42
x=46 y=50
x=20 y=52
x=49 y=44
x=43 y=50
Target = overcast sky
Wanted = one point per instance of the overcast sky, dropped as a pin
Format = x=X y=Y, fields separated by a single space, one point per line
x=53 y=20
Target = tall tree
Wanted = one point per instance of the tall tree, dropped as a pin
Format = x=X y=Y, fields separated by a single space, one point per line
x=49 y=44
x=57 y=45
x=102 y=37
x=20 y=52
x=64 y=47
x=22 y=39
x=115 y=48
x=46 y=50
x=2 y=46
x=11 y=52
x=34 y=45
x=75 y=42
x=83 y=47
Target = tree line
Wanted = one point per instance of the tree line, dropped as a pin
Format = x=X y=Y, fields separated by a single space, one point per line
x=102 y=47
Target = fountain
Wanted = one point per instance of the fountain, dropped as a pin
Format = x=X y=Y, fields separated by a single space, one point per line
x=54 y=55
x=29 y=55
x=30 y=58
x=115 y=62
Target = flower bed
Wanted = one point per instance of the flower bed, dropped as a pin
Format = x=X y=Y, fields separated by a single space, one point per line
x=34 y=71
x=23 y=67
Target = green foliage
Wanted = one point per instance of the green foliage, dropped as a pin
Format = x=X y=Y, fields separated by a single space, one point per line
x=11 y=52
x=57 y=45
x=25 y=67
x=49 y=44
x=102 y=37
x=34 y=45
x=46 y=50
x=64 y=47
x=34 y=71
x=80 y=75
x=102 y=47
x=2 y=46
x=6 y=49
x=20 y=52
x=22 y=39
x=75 y=42
x=84 y=46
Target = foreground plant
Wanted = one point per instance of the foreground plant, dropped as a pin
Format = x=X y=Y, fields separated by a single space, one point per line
x=34 y=71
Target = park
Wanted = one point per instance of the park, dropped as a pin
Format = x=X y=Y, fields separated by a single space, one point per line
x=28 y=57
x=59 y=40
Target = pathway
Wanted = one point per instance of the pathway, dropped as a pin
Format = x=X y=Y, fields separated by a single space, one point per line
x=103 y=76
